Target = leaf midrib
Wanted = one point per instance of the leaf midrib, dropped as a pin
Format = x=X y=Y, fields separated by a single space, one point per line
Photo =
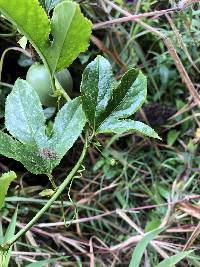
x=64 y=39
x=67 y=126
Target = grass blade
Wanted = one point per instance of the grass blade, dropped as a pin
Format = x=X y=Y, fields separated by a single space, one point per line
x=44 y=262
x=170 y=262
x=5 y=181
x=5 y=256
x=141 y=246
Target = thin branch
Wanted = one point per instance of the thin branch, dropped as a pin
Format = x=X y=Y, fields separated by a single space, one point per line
x=131 y=17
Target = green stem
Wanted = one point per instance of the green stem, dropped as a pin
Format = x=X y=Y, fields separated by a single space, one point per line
x=59 y=88
x=61 y=188
x=50 y=176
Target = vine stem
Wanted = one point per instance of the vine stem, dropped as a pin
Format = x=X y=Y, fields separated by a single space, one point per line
x=5 y=246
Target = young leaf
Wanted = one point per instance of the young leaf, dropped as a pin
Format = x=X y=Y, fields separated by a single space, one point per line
x=5 y=181
x=70 y=30
x=107 y=104
x=24 y=116
x=141 y=246
x=68 y=125
x=5 y=256
x=171 y=261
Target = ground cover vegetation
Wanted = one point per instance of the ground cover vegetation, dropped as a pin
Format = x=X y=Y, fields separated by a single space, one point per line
x=99 y=138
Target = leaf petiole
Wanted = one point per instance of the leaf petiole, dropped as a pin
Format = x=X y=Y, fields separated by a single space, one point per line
x=50 y=176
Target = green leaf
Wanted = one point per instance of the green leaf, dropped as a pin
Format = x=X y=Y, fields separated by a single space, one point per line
x=8 y=146
x=152 y=224
x=68 y=126
x=120 y=2
x=128 y=97
x=106 y=103
x=25 y=121
x=141 y=247
x=96 y=89
x=37 y=161
x=28 y=155
x=5 y=181
x=112 y=125
x=26 y=15
x=11 y=228
x=5 y=256
x=70 y=30
x=24 y=117
x=170 y=262
x=172 y=137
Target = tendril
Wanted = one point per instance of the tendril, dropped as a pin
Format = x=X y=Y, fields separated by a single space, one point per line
x=75 y=216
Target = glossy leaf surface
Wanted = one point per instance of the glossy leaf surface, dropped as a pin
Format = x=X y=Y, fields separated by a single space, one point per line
x=96 y=89
x=70 y=30
x=107 y=105
x=26 y=15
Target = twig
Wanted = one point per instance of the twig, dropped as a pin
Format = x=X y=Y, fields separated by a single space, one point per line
x=109 y=213
x=192 y=238
x=131 y=17
x=181 y=42
x=104 y=49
